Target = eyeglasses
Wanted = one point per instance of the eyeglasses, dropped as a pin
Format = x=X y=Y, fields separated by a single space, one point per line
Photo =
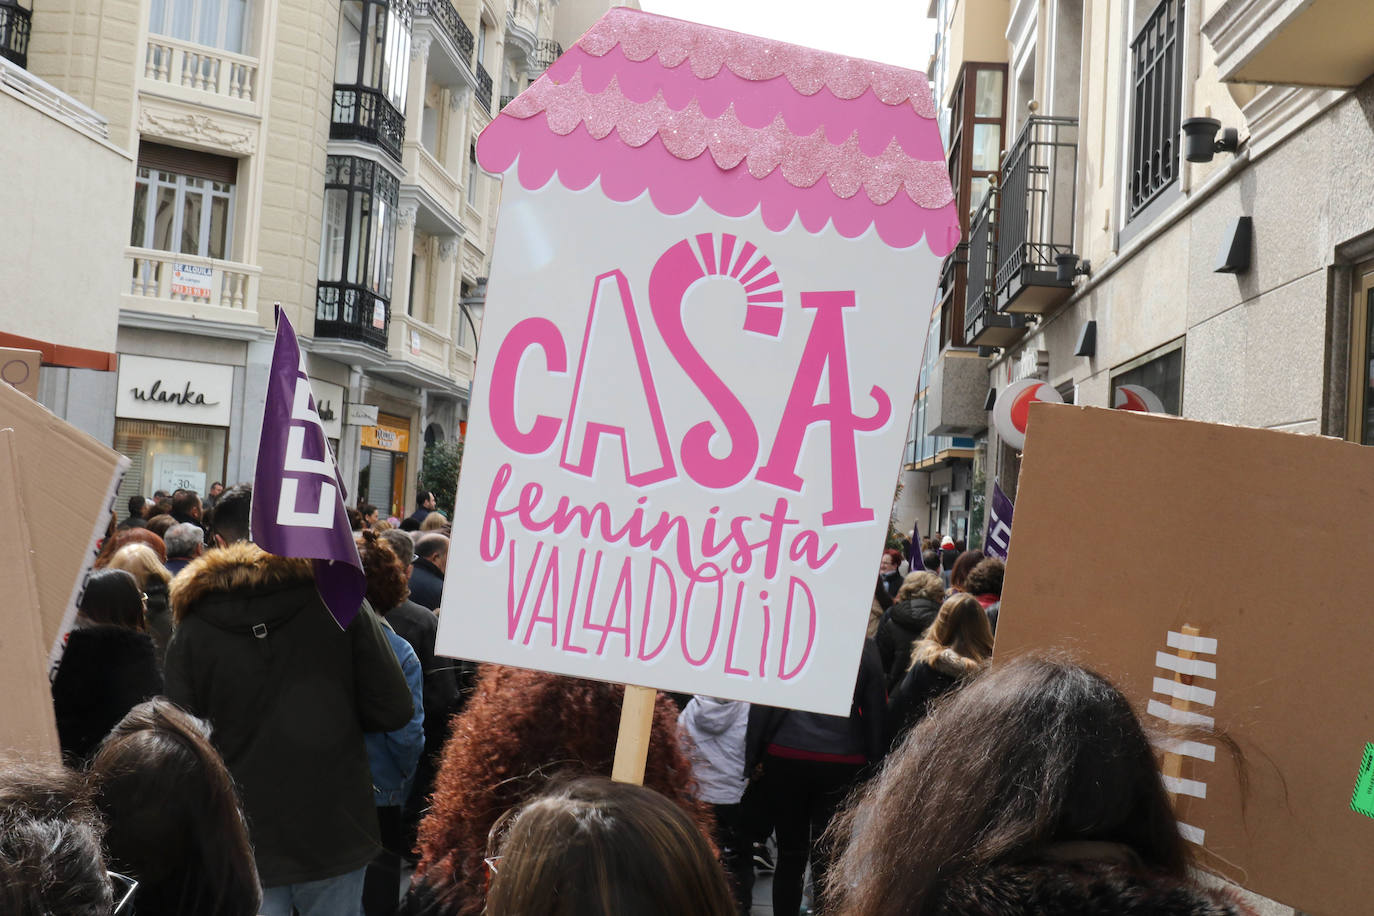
x=124 y=888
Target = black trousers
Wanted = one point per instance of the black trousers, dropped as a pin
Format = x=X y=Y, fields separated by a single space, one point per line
x=382 y=886
x=736 y=854
x=803 y=796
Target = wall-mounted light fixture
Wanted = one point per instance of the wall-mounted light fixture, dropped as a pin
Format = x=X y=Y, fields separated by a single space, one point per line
x=1234 y=257
x=1087 y=340
x=1200 y=141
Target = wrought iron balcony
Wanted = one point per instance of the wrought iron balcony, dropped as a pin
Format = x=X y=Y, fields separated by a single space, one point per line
x=1037 y=202
x=363 y=113
x=984 y=326
x=484 y=88
x=453 y=26
x=345 y=311
x=15 y=25
x=546 y=52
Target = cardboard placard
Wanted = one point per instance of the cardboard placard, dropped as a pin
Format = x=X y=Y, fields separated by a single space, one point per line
x=19 y=368
x=696 y=374
x=1217 y=575
x=28 y=729
x=69 y=482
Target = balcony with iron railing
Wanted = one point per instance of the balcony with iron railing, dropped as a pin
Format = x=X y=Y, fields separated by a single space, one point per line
x=346 y=311
x=546 y=51
x=202 y=73
x=364 y=113
x=484 y=88
x=984 y=325
x=522 y=27
x=451 y=26
x=1037 y=202
x=16 y=23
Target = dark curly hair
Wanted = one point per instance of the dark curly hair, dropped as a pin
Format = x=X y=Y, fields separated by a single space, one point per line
x=520 y=729
x=386 y=574
x=986 y=577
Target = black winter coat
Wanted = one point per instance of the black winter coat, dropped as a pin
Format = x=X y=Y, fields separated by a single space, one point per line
x=419 y=626
x=289 y=696
x=105 y=672
x=159 y=618
x=426 y=585
x=923 y=684
x=906 y=622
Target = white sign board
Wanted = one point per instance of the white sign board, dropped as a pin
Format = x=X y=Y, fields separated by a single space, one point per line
x=362 y=414
x=329 y=403
x=178 y=472
x=174 y=391
x=191 y=280
x=681 y=459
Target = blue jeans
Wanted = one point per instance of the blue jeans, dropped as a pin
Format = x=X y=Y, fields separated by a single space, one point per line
x=341 y=895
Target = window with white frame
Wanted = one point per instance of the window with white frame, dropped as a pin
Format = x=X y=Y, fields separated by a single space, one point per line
x=222 y=24
x=474 y=174
x=1156 y=93
x=358 y=244
x=183 y=202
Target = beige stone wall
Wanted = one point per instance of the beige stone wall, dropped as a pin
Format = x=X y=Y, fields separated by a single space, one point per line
x=90 y=50
x=67 y=210
x=297 y=116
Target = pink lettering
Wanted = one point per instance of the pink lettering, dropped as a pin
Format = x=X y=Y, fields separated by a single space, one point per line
x=505 y=374
x=715 y=624
x=825 y=354
x=793 y=584
x=655 y=564
x=734 y=629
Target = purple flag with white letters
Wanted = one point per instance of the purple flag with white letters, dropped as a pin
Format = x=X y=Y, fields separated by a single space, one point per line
x=298 y=498
x=998 y=540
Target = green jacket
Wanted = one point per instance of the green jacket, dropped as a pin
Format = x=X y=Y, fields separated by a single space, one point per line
x=289 y=696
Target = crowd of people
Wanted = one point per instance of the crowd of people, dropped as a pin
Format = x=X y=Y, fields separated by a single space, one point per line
x=228 y=750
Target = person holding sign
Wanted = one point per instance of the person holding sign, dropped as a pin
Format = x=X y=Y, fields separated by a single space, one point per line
x=1032 y=790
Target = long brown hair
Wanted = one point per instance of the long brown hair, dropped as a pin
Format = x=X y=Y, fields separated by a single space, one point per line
x=173 y=815
x=961 y=625
x=1035 y=751
x=520 y=729
x=591 y=846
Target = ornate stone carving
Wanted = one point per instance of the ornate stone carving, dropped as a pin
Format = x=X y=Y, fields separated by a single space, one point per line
x=405 y=214
x=419 y=45
x=198 y=129
x=448 y=248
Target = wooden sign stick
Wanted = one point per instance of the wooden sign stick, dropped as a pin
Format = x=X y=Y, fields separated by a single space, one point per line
x=1173 y=763
x=632 y=742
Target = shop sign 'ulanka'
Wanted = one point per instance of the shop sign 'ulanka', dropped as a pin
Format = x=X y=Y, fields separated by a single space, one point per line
x=714 y=256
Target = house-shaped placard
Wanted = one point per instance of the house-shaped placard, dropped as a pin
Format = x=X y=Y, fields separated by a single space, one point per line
x=712 y=279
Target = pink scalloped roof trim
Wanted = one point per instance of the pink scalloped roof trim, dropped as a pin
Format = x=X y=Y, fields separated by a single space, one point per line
x=804 y=160
x=641 y=99
x=627 y=172
x=755 y=104
x=706 y=50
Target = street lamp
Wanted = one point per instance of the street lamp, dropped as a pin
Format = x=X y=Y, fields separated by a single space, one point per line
x=473 y=305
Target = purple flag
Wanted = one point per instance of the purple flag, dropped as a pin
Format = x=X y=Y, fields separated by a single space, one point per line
x=298 y=508
x=998 y=540
x=913 y=550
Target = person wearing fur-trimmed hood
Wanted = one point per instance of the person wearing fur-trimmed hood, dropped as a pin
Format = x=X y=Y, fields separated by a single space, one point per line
x=289 y=695
x=957 y=646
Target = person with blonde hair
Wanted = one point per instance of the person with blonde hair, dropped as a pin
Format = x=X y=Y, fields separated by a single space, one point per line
x=154 y=581
x=918 y=602
x=435 y=521
x=957 y=646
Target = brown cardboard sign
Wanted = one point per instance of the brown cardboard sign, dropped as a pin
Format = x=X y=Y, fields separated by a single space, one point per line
x=28 y=729
x=1219 y=576
x=68 y=489
x=19 y=368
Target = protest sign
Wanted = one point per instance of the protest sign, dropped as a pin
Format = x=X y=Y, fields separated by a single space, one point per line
x=28 y=729
x=713 y=255
x=298 y=497
x=69 y=483
x=998 y=540
x=1217 y=636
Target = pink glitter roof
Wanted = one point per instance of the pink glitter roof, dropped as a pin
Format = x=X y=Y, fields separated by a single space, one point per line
x=791 y=131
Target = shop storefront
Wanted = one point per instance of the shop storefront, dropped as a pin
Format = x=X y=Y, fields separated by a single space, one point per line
x=382 y=464
x=172 y=421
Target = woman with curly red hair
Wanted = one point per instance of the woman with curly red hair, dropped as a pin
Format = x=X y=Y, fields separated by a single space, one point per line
x=520 y=729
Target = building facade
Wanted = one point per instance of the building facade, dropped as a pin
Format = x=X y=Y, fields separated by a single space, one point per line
x=1119 y=240
x=312 y=156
